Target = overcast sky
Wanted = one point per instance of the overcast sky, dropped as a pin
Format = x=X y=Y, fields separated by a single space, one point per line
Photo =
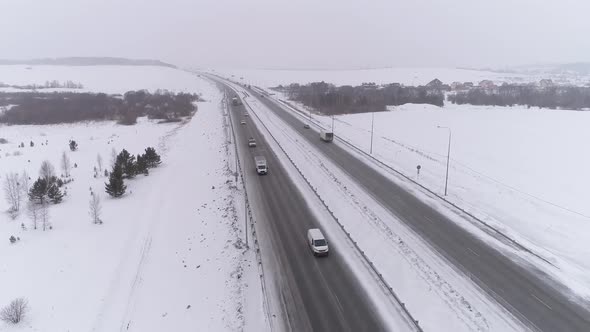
x=301 y=33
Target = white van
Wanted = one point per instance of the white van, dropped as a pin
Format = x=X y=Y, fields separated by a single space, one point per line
x=317 y=242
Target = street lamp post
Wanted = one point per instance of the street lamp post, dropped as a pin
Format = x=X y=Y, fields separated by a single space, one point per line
x=372 y=126
x=332 y=124
x=448 y=158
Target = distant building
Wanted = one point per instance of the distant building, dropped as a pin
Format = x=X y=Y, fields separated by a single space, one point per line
x=487 y=84
x=456 y=86
x=369 y=85
x=546 y=83
x=468 y=85
x=435 y=83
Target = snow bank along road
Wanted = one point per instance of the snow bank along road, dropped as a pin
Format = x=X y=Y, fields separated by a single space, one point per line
x=526 y=292
x=313 y=294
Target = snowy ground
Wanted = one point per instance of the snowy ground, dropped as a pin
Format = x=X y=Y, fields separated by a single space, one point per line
x=433 y=291
x=514 y=168
x=107 y=79
x=169 y=255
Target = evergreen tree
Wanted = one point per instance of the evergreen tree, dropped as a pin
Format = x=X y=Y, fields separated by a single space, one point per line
x=39 y=190
x=54 y=194
x=127 y=163
x=73 y=145
x=141 y=165
x=152 y=158
x=116 y=187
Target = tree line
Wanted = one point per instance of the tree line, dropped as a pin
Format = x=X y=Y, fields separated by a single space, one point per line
x=557 y=97
x=368 y=97
x=68 y=107
x=47 y=85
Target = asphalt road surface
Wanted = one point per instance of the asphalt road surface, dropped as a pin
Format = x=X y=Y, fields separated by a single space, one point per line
x=317 y=294
x=535 y=299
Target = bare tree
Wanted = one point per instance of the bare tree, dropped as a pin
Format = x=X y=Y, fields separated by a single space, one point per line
x=99 y=162
x=65 y=164
x=113 y=157
x=33 y=212
x=95 y=208
x=24 y=184
x=47 y=170
x=13 y=193
x=44 y=215
x=15 y=312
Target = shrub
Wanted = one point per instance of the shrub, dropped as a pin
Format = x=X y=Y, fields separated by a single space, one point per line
x=15 y=312
x=73 y=145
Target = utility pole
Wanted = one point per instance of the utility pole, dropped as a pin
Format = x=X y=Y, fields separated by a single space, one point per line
x=448 y=158
x=372 y=126
x=332 y=124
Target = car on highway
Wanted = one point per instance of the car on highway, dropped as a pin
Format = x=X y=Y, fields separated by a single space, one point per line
x=306 y=126
x=326 y=136
x=261 y=165
x=246 y=114
x=243 y=122
x=251 y=142
x=317 y=242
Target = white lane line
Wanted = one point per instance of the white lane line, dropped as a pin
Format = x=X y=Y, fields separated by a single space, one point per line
x=538 y=299
x=473 y=252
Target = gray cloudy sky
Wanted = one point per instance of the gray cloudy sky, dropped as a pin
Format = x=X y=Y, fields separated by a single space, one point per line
x=301 y=33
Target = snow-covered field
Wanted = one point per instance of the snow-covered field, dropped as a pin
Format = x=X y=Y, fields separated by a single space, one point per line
x=169 y=255
x=407 y=76
x=518 y=169
x=106 y=79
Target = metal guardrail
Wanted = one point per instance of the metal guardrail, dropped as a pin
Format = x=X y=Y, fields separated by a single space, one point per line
x=471 y=215
x=250 y=217
x=369 y=263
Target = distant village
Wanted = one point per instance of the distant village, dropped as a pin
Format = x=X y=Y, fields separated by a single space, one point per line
x=486 y=85
x=545 y=94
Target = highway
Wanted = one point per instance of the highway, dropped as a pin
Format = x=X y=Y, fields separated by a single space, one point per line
x=528 y=293
x=316 y=294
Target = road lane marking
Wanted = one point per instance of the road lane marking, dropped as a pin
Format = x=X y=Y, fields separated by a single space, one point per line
x=473 y=252
x=538 y=299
